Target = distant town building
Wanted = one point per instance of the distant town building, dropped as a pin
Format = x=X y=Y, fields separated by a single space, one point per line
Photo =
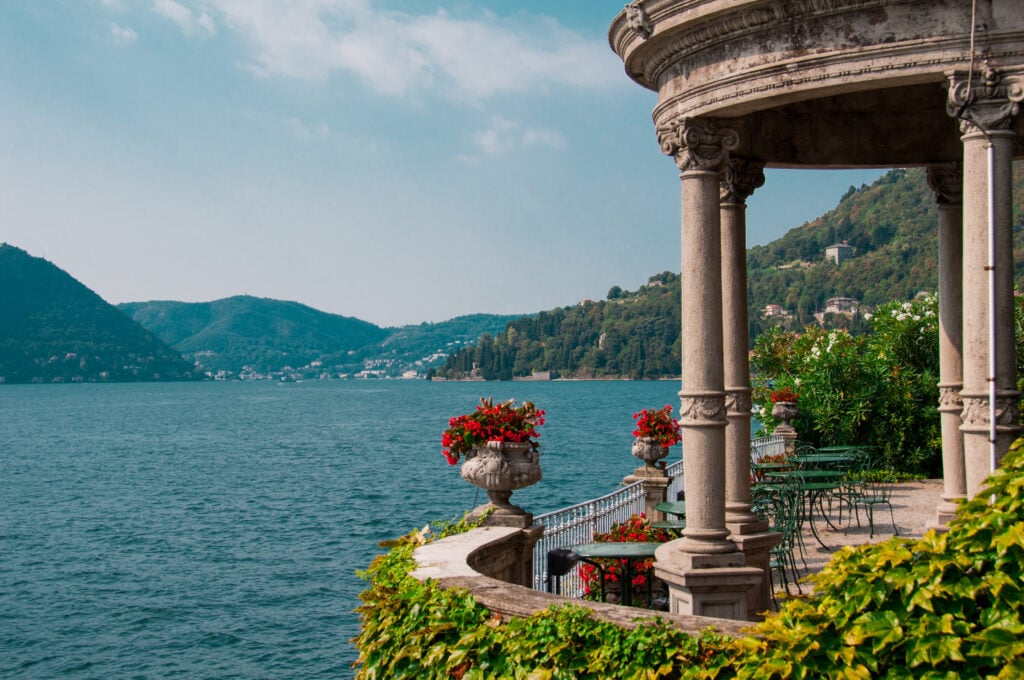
x=773 y=310
x=838 y=305
x=838 y=252
x=841 y=305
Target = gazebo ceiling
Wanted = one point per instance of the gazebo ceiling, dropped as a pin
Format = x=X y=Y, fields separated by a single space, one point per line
x=820 y=83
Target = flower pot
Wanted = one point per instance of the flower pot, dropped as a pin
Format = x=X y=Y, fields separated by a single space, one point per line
x=785 y=411
x=500 y=468
x=649 y=450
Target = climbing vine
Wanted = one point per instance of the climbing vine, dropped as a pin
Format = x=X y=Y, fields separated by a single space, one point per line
x=946 y=606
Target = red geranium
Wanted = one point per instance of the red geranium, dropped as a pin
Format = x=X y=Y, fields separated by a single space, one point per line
x=490 y=422
x=658 y=425
x=785 y=394
x=635 y=529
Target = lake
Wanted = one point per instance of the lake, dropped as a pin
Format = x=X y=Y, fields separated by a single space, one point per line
x=213 y=530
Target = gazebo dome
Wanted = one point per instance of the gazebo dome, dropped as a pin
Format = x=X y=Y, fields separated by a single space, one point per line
x=822 y=83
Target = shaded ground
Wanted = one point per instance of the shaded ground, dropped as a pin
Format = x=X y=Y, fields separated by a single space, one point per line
x=913 y=506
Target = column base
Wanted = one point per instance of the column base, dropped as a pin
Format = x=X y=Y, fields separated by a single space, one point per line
x=945 y=512
x=756 y=549
x=680 y=554
x=744 y=523
x=719 y=592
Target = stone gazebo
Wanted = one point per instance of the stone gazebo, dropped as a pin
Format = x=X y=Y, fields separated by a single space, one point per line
x=748 y=84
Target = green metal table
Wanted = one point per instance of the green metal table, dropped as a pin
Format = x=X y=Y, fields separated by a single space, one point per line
x=627 y=552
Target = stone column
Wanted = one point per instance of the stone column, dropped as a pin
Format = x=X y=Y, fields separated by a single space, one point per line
x=985 y=103
x=749 y=533
x=738 y=181
x=946 y=182
x=703 y=569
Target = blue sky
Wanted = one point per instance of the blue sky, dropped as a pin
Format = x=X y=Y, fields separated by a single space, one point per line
x=396 y=161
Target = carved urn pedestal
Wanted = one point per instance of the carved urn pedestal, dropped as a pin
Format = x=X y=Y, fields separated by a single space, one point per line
x=650 y=451
x=786 y=411
x=500 y=468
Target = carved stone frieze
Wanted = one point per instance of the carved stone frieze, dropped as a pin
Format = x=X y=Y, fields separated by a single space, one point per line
x=950 y=400
x=976 y=412
x=706 y=410
x=739 y=180
x=737 y=402
x=984 y=101
x=947 y=183
x=697 y=145
x=638 y=20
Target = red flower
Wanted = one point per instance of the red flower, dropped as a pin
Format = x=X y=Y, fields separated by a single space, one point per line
x=786 y=394
x=658 y=425
x=504 y=422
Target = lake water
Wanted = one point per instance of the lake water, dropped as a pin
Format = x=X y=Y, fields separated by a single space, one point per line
x=213 y=530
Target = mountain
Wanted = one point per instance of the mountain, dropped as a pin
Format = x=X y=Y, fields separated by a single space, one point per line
x=262 y=334
x=54 y=329
x=259 y=337
x=891 y=226
x=629 y=335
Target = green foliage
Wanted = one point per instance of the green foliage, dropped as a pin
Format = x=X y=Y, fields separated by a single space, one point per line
x=268 y=335
x=879 y=389
x=637 y=529
x=632 y=335
x=413 y=629
x=248 y=331
x=54 y=329
x=946 y=606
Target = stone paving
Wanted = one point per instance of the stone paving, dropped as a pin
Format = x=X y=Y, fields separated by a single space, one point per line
x=913 y=505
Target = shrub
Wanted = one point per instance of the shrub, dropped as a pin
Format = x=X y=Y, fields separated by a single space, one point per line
x=879 y=389
x=637 y=529
x=946 y=606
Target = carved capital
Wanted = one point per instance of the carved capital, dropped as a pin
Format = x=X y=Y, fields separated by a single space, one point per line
x=737 y=402
x=702 y=411
x=950 y=400
x=638 y=21
x=947 y=183
x=739 y=179
x=975 y=415
x=697 y=144
x=984 y=101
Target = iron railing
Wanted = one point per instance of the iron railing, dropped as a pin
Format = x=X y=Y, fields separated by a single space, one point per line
x=577 y=524
x=772 y=445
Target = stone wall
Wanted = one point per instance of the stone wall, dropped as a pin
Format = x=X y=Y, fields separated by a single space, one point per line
x=475 y=560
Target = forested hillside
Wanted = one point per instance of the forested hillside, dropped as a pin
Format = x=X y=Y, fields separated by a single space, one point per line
x=890 y=224
x=227 y=334
x=260 y=337
x=54 y=329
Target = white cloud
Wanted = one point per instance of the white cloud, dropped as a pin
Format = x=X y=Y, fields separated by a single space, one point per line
x=307 y=132
x=188 y=21
x=398 y=54
x=123 y=35
x=504 y=135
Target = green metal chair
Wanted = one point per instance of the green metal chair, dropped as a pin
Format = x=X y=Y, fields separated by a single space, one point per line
x=877 y=487
x=780 y=506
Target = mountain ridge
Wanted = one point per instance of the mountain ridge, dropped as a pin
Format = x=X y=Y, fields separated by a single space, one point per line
x=55 y=329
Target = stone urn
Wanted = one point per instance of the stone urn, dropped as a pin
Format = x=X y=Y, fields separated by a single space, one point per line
x=785 y=411
x=649 y=450
x=500 y=468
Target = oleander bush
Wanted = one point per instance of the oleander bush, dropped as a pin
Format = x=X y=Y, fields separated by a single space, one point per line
x=946 y=606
